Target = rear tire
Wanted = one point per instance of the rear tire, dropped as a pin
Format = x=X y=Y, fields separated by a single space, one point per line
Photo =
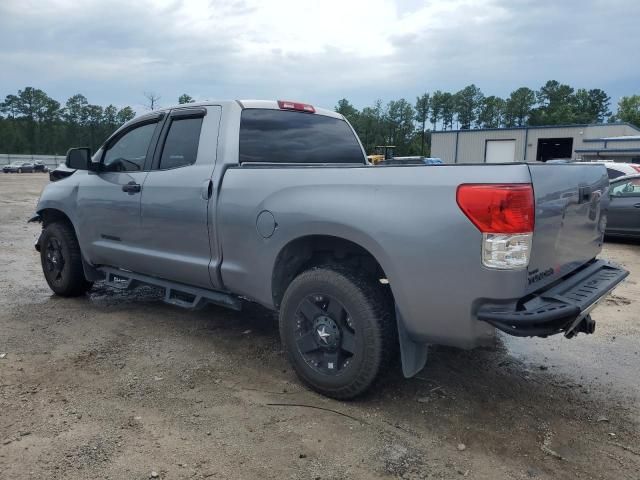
x=62 y=261
x=338 y=330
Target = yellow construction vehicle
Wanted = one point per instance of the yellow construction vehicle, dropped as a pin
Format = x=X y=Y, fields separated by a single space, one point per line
x=383 y=152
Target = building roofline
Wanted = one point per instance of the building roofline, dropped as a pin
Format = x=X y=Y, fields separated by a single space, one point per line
x=607 y=150
x=633 y=139
x=533 y=127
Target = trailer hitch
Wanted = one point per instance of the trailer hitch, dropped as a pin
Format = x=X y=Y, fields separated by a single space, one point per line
x=586 y=325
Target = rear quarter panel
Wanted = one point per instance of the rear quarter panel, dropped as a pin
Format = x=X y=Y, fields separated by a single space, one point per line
x=405 y=216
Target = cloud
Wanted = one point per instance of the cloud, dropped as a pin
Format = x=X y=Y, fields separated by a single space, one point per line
x=314 y=51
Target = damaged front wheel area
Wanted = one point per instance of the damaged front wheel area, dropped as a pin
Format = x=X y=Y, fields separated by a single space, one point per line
x=61 y=260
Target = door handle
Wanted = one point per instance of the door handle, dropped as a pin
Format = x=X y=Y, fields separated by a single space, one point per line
x=637 y=205
x=207 y=189
x=131 y=187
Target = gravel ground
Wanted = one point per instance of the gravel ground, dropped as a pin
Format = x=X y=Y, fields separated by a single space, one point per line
x=119 y=385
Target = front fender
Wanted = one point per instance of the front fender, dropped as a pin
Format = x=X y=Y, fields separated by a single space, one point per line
x=60 y=196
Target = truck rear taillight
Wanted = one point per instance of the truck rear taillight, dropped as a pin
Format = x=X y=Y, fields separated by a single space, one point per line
x=300 y=107
x=504 y=213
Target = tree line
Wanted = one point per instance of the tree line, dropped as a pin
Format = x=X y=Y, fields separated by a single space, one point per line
x=31 y=122
x=408 y=126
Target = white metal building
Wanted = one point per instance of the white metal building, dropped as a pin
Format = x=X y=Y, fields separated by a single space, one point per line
x=616 y=141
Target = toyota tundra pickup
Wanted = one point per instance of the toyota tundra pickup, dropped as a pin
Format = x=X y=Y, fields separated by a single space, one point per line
x=274 y=202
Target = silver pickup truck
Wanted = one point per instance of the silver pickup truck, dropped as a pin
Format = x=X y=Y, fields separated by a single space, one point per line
x=274 y=202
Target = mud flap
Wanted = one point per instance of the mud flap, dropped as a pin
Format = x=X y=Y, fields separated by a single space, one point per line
x=413 y=355
x=90 y=272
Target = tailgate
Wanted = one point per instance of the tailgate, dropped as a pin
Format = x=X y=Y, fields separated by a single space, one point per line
x=569 y=201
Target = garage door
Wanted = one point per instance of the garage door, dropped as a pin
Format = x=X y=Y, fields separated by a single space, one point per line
x=500 y=151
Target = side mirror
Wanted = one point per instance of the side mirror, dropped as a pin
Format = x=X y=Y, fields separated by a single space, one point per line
x=79 y=158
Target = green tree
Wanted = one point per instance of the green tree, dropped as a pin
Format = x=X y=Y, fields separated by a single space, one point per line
x=10 y=106
x=591 y=106
x=518 y=107
x=75 y=117
x=599 y=104
x=448 y=110
x=468 y=102
x=399 y=125
x=185 y=98
x=556 y=105
x=422 y=115
x=13 y=135
x=492 y=112
x=94 y=119
x=628 y=110
x=35 y=123
x=370 y=127
x=437 y=102
x=49 y=121
x=125 y=114
x=109 y=120
x=35 y=107
x=350 y=112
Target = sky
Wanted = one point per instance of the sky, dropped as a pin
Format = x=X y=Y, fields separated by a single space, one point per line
x=113 y=51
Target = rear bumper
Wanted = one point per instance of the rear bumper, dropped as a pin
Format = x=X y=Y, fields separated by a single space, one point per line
x=564 y=307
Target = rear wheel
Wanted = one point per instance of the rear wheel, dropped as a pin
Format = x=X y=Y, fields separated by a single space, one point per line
x=61 y=261
x=337 y=328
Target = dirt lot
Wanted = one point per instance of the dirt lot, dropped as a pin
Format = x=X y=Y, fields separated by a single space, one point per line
x=119 y=385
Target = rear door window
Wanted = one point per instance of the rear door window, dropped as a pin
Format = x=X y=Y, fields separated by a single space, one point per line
x=181 y=146
x=280 y=136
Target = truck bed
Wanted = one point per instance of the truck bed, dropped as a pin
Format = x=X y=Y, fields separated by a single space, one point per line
x=408 y=219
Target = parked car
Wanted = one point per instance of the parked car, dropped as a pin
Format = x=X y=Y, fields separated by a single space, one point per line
x=433 y=161
x=267 y=201
x=18 y=167
x=39 y=166
x=614 y=169
x=624 y=207
x=619 y=169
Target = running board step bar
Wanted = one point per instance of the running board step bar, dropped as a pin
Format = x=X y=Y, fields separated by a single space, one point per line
x=177 y=294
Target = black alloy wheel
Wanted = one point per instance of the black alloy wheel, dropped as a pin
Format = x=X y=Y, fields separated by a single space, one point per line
x=61 y=260
x=54 y=261
x=326 y=335
x=338 y=329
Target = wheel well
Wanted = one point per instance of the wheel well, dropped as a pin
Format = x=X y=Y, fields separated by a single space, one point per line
x=313 y=250
x=51 y=215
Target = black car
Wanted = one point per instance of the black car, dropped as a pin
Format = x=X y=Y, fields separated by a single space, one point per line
x=624 y=208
